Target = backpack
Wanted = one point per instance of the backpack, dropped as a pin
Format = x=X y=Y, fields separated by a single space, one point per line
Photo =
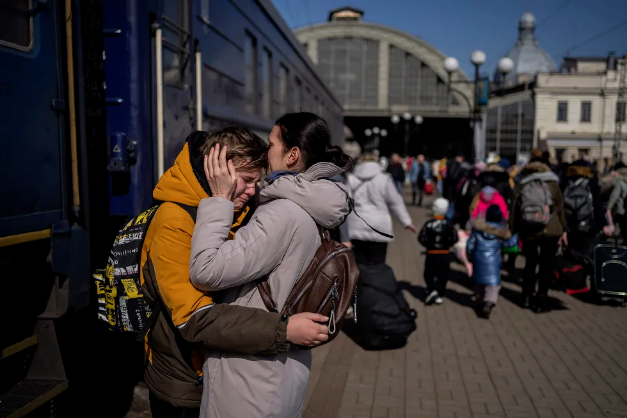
x=386 y=320
x=327 y=287
x=536 y=204
x=121 y=302
x=578 y=206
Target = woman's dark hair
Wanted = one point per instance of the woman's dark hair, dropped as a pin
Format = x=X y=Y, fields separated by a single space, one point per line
x=310 y=133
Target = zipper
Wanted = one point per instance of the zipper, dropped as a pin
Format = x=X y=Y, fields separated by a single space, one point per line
x=334 y=296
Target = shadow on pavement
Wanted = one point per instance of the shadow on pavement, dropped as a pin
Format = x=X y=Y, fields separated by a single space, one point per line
x=420 y=293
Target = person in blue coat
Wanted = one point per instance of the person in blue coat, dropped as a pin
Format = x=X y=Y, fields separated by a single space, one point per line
x=484 y=252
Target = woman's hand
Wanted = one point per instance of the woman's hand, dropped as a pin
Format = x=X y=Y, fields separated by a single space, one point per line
x=305 y=329
x=221 y=175
x=411 y=228
x=608 y=230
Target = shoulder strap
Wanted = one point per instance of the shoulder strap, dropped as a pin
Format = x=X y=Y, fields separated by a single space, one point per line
x=364 y=182
x=158 y=304
x=351 y=204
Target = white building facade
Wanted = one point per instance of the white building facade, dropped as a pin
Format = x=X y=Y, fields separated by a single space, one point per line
x=577 y=109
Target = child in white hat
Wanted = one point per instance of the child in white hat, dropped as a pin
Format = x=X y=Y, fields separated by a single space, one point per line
x=437 y=236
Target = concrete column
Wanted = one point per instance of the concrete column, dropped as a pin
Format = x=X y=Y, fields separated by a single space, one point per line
x=384 y=73
x=312 y=50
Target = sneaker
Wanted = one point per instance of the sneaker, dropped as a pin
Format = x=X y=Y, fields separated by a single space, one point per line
x=439 y=300
x=431 y=297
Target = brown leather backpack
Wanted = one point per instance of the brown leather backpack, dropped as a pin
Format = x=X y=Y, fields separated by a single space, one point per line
x=328 y=286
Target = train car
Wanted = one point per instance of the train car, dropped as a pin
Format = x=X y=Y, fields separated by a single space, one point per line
x=96 y=100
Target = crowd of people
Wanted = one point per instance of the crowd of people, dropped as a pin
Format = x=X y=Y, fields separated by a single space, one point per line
x=536 y=208
x=218 y=229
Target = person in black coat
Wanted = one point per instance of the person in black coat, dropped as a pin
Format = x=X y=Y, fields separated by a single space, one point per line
x=579 y=240
x=437 y=236
x=495 y=176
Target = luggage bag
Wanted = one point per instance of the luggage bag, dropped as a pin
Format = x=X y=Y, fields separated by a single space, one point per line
x=610 y=269
x=385 y=319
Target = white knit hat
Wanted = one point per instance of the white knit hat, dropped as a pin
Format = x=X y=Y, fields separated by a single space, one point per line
x=440 y=206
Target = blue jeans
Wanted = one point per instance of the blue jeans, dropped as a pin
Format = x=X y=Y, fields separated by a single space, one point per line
x=399 y=186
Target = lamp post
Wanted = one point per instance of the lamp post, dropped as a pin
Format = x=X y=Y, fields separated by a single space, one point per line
x=450 y=65
x=407 y=118
x=506 y=65
x=376 y=134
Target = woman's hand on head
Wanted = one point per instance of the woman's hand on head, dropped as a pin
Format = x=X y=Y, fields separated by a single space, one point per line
x=221 y=175
x=306 y=329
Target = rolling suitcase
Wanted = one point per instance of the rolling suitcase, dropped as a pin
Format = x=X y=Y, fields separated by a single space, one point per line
x=610 y=270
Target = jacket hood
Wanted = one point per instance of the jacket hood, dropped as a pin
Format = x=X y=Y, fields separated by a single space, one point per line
x=327 y=202
x=181 y=183
x=491 y=229
x=537 y=171
x=486 y=195
x=579 y=171
x=535 y=167
x=494 y=167
x=544 y=176
x=367 y=170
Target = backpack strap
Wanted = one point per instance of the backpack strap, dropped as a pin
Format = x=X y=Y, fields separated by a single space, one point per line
x=351 y=204
x=158 y=304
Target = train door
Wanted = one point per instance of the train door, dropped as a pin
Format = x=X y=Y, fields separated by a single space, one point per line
x=32 y=106
x=178 y=66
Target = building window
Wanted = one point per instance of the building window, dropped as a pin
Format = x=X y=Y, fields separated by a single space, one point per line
x=250 y=71
x=586 y=111
x=298 y=94
x=620 y=111
x=16 y=24
x=562 y=111
x=283 y=80
x=175 y=42
x=266 y=76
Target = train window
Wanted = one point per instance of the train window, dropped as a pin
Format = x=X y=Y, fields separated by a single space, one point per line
x=175 y=41
x=298 y=95
x=266 y=76
x=250 y=68
x=283 y=80
x=16 y=24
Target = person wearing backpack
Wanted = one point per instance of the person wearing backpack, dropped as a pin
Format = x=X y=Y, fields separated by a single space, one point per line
x=190 y=318
x=539 y=220
x=583 y=206
x=277 y=245
x=375 y=197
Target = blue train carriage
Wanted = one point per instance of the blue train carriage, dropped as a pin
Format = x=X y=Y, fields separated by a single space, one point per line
x=96 y=101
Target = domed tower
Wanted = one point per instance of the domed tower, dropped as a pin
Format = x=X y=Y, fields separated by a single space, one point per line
x=528 y=57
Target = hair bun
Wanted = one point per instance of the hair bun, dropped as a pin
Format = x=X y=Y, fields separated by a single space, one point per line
x=335 y=155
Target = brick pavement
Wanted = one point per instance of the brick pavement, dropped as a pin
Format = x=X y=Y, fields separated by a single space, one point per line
x=566 y=363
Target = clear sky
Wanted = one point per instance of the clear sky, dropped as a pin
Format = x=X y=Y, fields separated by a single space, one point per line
x=457 y=27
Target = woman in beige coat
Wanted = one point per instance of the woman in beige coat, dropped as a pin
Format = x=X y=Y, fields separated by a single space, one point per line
x=280 y=241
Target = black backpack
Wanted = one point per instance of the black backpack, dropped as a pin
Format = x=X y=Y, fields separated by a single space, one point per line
x=384 y=317
x=121 y=302
x=578 y=206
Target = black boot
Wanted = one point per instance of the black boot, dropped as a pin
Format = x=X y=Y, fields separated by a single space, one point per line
x=541 y=304
x=485 y=310
x=525 y=301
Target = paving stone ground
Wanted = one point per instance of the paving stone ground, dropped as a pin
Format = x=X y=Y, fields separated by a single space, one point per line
x=567 y=363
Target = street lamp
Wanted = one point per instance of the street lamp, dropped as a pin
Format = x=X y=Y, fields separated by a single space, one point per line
x=407 y=117
x=505 y=66
x=450 y=65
